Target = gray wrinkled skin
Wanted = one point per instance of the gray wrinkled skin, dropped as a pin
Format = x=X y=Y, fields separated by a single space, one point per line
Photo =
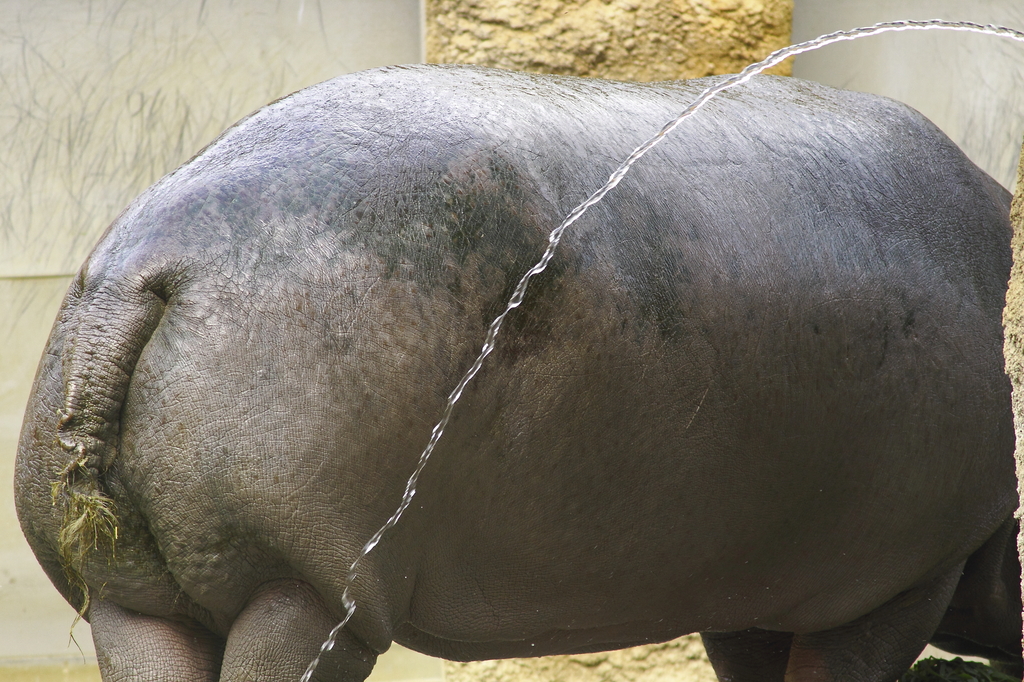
x=758 y=393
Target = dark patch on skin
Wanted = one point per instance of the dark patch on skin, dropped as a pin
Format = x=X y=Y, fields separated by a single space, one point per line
x=886 y=335
x=654 y=287
x=463 y=225
x=474 y=231
x=908 y=324
x=493 y=226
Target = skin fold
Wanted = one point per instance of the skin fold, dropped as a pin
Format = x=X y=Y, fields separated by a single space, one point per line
x=758 y=393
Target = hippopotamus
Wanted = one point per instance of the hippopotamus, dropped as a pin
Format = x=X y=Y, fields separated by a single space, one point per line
x=758 y=393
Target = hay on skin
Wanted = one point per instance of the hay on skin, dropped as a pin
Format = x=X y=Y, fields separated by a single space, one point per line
x=89 y=518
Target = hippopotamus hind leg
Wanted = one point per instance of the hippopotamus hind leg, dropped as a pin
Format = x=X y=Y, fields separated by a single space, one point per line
x=752 y=655
x=134 y=646
x=880 y=645
x=281 y=630
x=984 y=617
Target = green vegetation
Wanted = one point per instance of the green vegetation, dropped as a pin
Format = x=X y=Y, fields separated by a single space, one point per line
x=956 y=670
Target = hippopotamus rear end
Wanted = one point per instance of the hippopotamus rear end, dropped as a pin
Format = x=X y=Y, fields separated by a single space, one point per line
x=758 y=393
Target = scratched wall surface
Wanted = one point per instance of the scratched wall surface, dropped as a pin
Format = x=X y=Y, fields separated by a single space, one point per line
x=98 y=100
x=968 y=85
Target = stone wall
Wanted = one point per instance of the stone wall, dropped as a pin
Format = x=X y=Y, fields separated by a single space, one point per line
x=1013 y=322
x=641 y=40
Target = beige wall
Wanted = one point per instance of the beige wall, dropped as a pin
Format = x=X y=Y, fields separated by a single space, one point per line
x=643 y=40
x=1013 y=321
x=968 y=85
x=100 y=99
x=97 y=100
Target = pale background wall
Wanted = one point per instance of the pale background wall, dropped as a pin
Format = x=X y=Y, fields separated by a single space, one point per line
x=98 y=100
x=969 y=85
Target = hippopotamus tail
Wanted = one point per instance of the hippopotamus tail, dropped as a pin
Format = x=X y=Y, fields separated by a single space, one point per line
x=984 y=617
x=106 y=322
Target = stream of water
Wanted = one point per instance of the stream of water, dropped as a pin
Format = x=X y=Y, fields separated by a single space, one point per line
x=556 y=235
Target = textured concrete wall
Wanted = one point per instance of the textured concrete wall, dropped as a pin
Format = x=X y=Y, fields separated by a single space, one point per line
x=642 y=40
x=1013 y=321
